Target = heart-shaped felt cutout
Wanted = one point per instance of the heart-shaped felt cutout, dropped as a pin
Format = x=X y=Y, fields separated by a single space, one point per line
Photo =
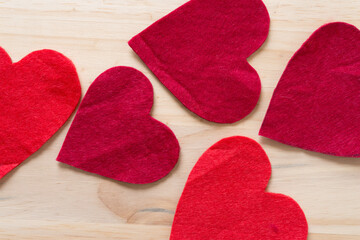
x=38 y=94
x=200 y=50
x=316 y=104
x=225 y=198
x=113 y=134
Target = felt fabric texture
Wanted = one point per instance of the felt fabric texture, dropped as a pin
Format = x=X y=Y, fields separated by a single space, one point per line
x=113 y=134
x=225 y=198
x=38 y=94
x=316 y=104
x=199 y=52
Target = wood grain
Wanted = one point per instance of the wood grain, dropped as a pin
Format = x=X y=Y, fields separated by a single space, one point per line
x=43 y=199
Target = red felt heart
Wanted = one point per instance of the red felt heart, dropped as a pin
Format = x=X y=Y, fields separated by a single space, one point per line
x=199 y=52
x=316 y=103
x=113 y=134
x=38 y=94
x=225 y=198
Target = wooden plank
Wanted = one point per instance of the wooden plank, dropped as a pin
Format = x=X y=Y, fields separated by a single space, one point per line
x=43 y=199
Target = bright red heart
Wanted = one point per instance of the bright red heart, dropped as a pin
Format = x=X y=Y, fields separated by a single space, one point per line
x=199 y=52
x=225 y=198
x=38 y=94
x=113 y=134
x=316 y=105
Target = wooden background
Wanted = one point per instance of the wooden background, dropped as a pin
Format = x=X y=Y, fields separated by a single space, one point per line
x=43 y=199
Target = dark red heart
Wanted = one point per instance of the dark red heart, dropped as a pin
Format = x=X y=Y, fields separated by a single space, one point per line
x=225 y=198
x=316 y=105
x=199 y=52
x=38 y=94
x=113 y=134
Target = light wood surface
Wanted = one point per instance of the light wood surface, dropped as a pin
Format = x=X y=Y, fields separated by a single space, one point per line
x=43 y=199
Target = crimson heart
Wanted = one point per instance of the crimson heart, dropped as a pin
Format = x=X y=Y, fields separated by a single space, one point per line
x=38 y=94
x=316 y=103
x=113 y=134
x=225 y=198
x=200 y=50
